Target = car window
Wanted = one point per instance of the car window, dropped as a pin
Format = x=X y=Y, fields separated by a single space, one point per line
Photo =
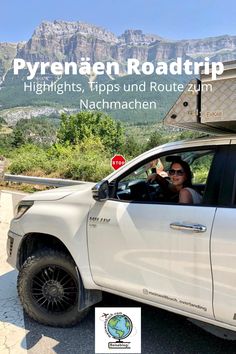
x=137 y=186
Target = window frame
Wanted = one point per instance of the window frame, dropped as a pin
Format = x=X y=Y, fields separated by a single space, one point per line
x=210 y=199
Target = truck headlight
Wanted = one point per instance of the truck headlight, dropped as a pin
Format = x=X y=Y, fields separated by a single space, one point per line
x=22 y=208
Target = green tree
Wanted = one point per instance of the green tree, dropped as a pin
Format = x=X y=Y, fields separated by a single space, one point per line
x=18 y=137
x=35 y=130
x=74 y=129
x=132 y=147
x=2 y=121
x=156 y=138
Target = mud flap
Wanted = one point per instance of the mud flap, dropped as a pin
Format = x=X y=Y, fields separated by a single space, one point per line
x=87 y=297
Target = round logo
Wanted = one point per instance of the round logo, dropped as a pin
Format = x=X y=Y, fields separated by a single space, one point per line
x=119 y=326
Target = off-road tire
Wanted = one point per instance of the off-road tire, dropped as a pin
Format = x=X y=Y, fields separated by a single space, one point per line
x=41 y=265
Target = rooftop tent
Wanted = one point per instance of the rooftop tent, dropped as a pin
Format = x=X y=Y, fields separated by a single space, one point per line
x=207 y=105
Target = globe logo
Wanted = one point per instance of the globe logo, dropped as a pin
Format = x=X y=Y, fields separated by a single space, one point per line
x=119 y=326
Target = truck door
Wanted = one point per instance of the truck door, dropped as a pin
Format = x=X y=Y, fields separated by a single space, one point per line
x=223 y=246
x=154 y=250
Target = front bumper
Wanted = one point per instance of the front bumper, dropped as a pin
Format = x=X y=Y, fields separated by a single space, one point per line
x=13 y=243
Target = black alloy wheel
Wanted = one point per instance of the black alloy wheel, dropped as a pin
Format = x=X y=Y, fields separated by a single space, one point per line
x=54 y=289
x=49 y=288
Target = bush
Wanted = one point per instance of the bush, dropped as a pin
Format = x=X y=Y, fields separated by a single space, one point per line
x=87 y=161
x=27 y=159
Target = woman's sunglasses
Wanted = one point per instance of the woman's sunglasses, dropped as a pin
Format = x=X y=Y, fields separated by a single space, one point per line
x=173 y=172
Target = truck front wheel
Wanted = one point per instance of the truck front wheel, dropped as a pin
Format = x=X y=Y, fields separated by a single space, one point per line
x=48 y=288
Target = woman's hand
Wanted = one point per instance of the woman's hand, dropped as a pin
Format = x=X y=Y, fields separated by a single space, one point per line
x=153 y=177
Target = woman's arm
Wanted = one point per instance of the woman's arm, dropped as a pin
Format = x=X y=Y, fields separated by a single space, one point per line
x=185 y=196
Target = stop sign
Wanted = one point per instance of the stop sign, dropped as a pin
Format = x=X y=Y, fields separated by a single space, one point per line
x=117 y=161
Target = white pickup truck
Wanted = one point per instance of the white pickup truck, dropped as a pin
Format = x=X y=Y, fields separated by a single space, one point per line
x=123 y=236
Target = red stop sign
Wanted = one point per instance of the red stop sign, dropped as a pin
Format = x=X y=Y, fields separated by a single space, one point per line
x=117 y=161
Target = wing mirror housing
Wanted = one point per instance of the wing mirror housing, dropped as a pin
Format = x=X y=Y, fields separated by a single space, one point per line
x=100 y=191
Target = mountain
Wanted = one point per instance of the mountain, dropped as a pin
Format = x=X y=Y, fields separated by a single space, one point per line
x=70 y=41
x=8 y=51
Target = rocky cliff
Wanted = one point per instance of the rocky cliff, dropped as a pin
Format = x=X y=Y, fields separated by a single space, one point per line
x=12 y=116
x=69 y=41
x=7 y=53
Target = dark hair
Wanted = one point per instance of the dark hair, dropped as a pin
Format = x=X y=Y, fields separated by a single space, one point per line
x=187 y=170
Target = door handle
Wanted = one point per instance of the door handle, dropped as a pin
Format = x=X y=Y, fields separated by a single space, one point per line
x=188 y=227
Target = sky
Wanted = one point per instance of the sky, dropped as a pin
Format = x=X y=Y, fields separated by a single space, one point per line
x=173 y=19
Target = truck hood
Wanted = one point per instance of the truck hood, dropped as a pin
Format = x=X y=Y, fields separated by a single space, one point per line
x=59 y=193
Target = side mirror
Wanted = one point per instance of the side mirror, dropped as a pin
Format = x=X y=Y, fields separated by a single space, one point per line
x=100 y=191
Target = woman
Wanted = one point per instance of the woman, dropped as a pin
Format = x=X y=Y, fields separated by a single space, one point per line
x=179 y=188
x=181 y=182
